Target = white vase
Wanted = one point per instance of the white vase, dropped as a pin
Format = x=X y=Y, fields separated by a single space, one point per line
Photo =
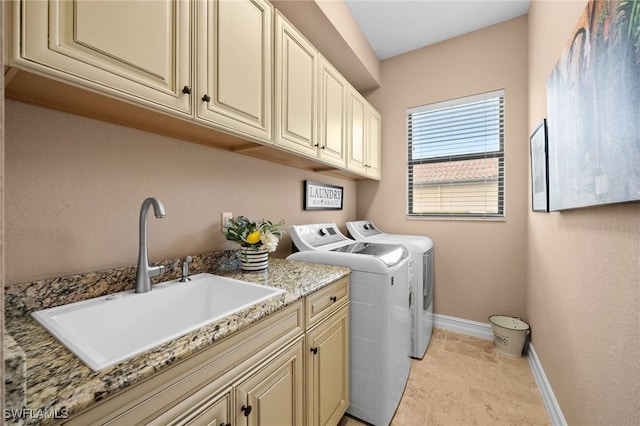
x=253 y=259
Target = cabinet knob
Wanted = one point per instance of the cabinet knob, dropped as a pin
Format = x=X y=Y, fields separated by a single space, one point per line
x=246 y=409
x=314 y=350
x=334 y=299
x=206 y=98
x=225 y=424
x=186 y=90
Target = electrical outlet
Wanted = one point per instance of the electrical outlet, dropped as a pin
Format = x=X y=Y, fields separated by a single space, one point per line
x=226 y=218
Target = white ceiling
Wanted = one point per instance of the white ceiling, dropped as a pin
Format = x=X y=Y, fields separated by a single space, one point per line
x=394 y=27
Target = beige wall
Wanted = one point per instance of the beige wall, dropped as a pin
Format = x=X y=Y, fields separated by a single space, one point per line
x=74 y=187
x=480 y=265
x=583 y=291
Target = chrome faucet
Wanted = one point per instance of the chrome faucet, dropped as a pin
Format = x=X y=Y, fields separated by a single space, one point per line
x=145 y=272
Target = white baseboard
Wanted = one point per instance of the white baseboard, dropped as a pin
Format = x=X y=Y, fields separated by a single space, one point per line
x=549 y=399
x=483 y=330
x=464 y=326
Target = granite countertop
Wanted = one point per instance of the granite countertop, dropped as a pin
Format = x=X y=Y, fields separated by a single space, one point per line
x=59 y=384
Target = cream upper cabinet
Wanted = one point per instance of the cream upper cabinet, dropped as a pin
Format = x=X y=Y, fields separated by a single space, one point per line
x=139 y=50
x=296 y=84
x=356 y=134
x=363 y=136
x=333 y=115
x=374 y=124
x=234 y=65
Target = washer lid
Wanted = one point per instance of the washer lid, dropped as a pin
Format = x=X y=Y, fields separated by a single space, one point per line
x=389 y=254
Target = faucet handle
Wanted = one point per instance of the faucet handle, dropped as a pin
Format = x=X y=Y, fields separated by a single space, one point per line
x=185 y=269
x=173 y=264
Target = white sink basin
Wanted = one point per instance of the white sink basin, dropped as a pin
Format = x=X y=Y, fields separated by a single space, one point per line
x=106 y=330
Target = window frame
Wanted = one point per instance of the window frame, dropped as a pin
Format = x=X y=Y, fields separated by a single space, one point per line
x=500 y=154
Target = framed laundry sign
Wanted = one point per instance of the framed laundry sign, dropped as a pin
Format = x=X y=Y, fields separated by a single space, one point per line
x=322 y=196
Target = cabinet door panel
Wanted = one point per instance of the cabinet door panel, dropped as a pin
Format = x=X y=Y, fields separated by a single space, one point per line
x=333 y=109
x=296 y=90
x=328 y=370
x=234 y=65
x=373 y=136
x=274 y=393
x=138 y=49
x=357 y=132
x=94 y=35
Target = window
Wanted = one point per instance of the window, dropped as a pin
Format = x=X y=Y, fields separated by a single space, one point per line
x=456 y=158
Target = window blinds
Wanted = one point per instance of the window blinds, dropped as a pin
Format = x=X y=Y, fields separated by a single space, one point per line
x=456 y=157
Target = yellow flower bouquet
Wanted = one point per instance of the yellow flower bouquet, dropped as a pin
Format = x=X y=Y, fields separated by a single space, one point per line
x=260 y=235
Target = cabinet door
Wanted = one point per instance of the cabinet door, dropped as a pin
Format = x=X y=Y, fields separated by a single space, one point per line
x=333 y=114
x=235 y=51
x=296 y=90
x=328 y=370
x=356 y=136
x=373 y=144
x=137 y=50
x=272 y=396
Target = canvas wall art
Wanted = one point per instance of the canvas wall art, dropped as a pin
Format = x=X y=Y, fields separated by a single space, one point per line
x=593 y=107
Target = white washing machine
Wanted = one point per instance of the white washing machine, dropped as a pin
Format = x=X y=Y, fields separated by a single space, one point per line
x=421 y=249
x=380 y=316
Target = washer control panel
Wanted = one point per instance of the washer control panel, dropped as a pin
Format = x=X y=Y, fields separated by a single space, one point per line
x=362 y=229
x=311 y=237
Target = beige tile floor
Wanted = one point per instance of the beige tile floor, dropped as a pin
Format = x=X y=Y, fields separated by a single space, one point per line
x=462 y=380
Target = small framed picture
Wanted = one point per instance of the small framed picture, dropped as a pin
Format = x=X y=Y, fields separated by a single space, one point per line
x=539 y=169
x=321 y=196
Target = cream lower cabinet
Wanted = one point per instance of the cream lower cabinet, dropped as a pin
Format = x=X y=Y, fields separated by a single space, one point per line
x=272 y=396
x=289 y=369
x=327 y=354
x=328 y=370
x=137 y=50
x=250 y=378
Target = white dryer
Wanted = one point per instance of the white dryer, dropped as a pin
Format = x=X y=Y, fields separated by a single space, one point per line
x=421 y=249
x=379 y=315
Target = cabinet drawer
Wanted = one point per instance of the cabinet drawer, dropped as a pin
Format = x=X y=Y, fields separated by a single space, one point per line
x=322 y=303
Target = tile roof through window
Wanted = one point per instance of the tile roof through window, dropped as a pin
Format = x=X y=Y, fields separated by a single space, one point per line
x=456 y=171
